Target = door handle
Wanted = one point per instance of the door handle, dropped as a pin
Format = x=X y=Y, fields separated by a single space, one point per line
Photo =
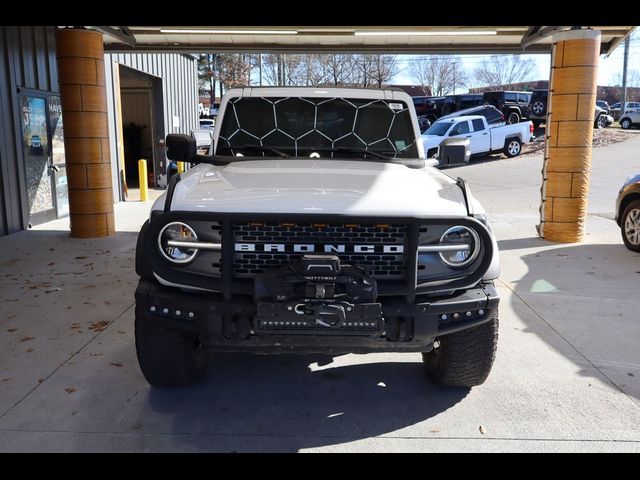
x=468 y=136
x=485 y=133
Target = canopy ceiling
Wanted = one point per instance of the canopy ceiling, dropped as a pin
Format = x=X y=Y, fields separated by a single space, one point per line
x=401 y=39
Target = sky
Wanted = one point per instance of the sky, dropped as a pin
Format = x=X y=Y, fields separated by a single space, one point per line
x=609 y=67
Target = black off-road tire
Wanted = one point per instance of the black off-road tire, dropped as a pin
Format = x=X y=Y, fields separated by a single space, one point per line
x=513 y=117
x=168 y=357
x=465 y=358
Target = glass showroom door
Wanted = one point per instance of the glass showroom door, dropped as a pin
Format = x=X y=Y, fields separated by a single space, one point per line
x=43 y=151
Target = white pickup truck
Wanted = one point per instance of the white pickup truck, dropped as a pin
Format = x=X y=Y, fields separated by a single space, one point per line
x=484 y=139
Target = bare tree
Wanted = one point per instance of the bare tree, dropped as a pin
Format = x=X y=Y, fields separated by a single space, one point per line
x=272 y=69
x=337 y=68
x=316 y=69
x=633 y=78
x=295 y=70
x=442 y=73
x=233 y=69
x=375 y=69
x=207 y=75
x=505 y=70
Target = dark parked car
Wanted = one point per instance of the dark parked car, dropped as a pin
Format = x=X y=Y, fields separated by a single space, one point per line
x=514 y=105
x=492 y=114
x=628 y=212
x=453 y=103
x=538 y=109
x=429 y=107
x=424 y=124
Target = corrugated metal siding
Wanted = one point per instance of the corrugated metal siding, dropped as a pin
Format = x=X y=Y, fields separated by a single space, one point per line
x=27 y=60
x=178 y=74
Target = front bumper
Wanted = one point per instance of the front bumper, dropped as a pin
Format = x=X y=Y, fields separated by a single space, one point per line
x=233 y=325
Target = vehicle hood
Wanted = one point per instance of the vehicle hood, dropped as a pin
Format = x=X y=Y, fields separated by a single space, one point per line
x=431 y=141
x=322 y=187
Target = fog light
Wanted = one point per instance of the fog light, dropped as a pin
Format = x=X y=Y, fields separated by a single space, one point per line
x=152 y=309
x=444 y=317
x=480 y=312
x=178 y=313
x=468 y=314
x=456 y=316
x=165 y=310
x=191 y=314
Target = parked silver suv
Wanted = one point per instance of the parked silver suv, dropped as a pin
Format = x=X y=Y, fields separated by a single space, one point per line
x=630 y=119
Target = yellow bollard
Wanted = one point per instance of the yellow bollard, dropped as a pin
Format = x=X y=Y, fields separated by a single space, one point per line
x=142 y=177
x=180 y=167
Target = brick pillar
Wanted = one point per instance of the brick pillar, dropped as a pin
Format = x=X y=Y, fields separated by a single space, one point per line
x=86 y=137
x=569 y=132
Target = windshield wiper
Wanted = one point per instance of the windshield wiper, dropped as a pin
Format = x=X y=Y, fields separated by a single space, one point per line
x=351 y=150
x=262 y=148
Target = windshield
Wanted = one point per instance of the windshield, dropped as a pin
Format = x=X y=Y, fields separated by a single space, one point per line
x=301 y=126
x=439 y=128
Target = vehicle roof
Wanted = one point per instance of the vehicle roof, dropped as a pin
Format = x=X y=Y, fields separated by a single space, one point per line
x=321 y=92
x=508 y=91
x=461 y=117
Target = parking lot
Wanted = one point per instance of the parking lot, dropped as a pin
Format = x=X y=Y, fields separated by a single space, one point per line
x=566 y=378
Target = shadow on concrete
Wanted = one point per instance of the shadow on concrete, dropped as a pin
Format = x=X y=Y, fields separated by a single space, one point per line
x=589 y=295
x=280 y=396
x=520 y=243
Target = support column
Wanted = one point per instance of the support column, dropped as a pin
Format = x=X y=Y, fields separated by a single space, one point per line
x=569 y=133
x=86 y=136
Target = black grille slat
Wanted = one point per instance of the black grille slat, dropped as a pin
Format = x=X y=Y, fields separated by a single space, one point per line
x=384 y=265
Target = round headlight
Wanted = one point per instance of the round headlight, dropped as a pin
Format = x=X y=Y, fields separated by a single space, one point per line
x=169 y=242
x=469 y=246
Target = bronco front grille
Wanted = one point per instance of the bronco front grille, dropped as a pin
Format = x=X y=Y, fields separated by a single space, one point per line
x=378 y=247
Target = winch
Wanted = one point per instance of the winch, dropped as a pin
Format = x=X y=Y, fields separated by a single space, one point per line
x=316 y=293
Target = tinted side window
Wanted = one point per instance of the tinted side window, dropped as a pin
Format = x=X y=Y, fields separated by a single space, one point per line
x=510 y=97
x=459 y=129
x=477 y=125
x=523 y=98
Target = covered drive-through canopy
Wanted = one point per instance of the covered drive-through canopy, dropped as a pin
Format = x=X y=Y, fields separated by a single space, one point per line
x=570 y=114
x=400 y=39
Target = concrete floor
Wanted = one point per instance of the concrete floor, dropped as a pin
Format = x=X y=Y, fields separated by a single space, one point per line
x=566 y=378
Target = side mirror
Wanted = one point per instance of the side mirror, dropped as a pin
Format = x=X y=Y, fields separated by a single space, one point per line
x=181 y=148
x=454 y=152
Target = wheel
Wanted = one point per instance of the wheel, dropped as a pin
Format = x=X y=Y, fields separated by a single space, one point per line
x=630 y=226
x=465 y=358
x=538 y=108
x=512 y=147
x=513 y=117
x=168 y=357
x=625 y=123
x=601 y=121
